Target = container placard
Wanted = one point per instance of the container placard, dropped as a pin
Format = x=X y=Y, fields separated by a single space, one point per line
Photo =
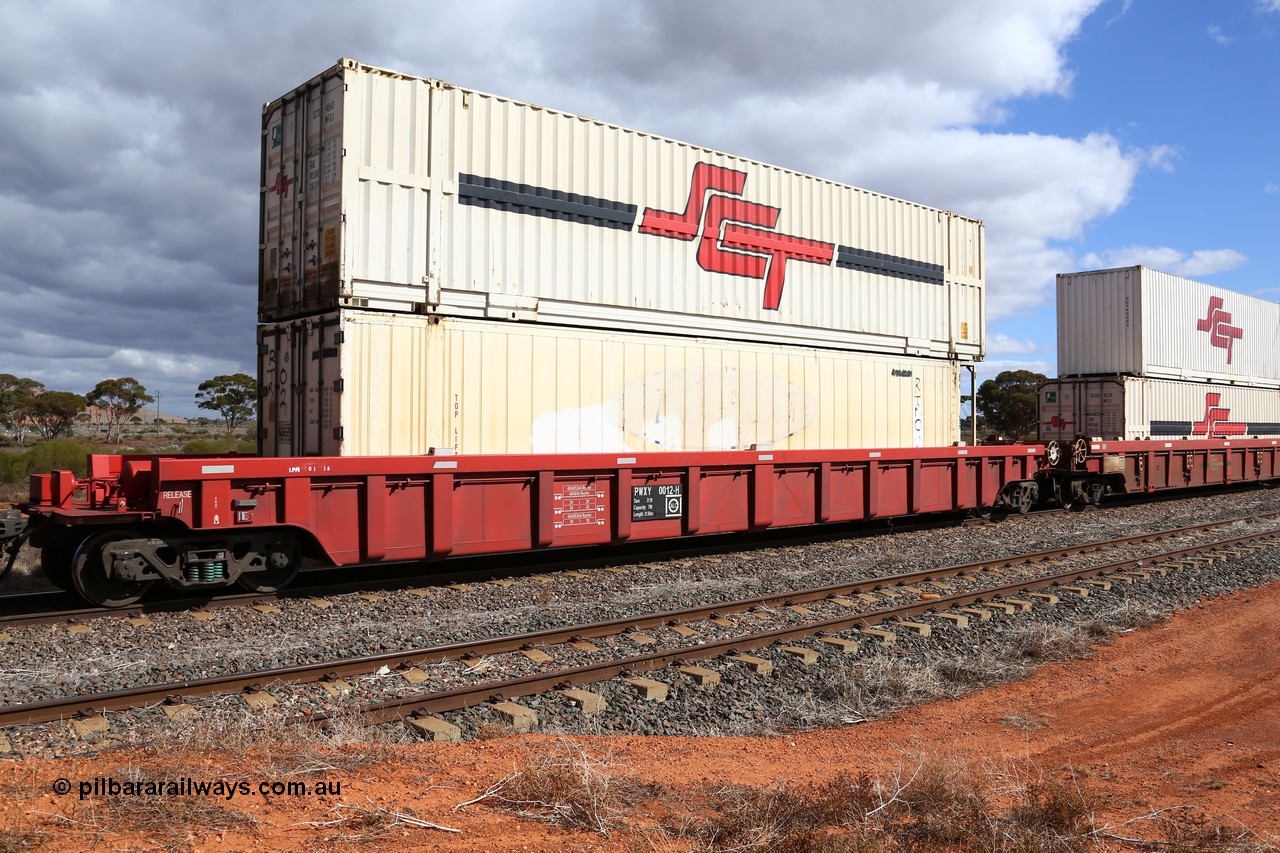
x=653 y=503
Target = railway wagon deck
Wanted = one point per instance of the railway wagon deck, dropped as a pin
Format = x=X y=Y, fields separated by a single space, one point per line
x=212 y=521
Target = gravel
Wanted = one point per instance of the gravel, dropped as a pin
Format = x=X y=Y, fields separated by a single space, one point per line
x=44 y=661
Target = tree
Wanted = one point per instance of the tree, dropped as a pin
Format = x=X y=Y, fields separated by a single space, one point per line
x=1008 y=403
x=118 y=400
x=16 y=394
x=235 y=397
x=54 y=411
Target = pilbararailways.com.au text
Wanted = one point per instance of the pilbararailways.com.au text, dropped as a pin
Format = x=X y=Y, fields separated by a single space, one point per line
x=105 y=786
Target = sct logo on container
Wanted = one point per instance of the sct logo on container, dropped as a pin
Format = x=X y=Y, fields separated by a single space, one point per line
x=1216 y=422
x=729 y=245
x=1218 y=324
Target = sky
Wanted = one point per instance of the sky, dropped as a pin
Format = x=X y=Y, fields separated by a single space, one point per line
x=1086 y=134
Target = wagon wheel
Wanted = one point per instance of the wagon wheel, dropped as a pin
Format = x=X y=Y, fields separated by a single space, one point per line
x=91 y=576
x=1053 y=451
x=282 y=567
x=1068 y=498
x=1024 y=501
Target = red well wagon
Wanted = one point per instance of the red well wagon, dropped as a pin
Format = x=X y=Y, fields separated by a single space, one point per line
x=207 y=522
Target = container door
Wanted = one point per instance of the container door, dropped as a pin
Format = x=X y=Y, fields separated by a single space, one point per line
x=319 y=349
x=301 y=217
x=1057 y=420
x=274 y=388
x=964 y=281
x=1103 y=414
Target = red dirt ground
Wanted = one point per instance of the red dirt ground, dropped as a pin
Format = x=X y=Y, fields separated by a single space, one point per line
x=1184 y=713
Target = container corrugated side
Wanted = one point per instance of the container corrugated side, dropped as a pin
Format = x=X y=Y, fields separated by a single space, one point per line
x=1135 y=408
x=356 y=383
x=393 y=192
x=1144 y=322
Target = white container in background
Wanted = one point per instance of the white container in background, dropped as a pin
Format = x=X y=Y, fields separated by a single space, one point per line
x=358 y=382
x=1132 y=408
x=1143 y=322
x=387 y=191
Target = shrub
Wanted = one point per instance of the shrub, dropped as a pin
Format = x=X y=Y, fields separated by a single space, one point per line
x=225 y=444
x=61 y=454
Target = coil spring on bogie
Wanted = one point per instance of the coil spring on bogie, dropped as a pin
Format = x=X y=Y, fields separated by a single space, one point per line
x=205 y=572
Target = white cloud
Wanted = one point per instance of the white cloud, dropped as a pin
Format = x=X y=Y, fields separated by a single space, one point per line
x=1272 y=189
x=1161 y=157
x=1201 y=262
x=1124 y=10
x=1217 y=35
x=1269 y=5
x=998 y=344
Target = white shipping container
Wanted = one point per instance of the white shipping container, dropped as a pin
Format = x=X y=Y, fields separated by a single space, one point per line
x=356 y=383
x=1133 y=408
x=1143 y=322
x=393 y=192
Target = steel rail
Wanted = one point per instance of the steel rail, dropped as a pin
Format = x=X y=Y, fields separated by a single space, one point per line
x=60 y=708
x=474 y=695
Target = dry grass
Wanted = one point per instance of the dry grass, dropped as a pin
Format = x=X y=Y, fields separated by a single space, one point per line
x=1183 y=829
x=1124 y=617
x=934 y=806
x=263 y=746
x=22 y=838
x=883 y=683
x=1048 y=641
x=272 y=742
x=931 y=805
x=171 y=822
x=494 y=730
x=1020 y=721
x=566 y=786
x=13 y=493
x=358 y=824
x=164 y=822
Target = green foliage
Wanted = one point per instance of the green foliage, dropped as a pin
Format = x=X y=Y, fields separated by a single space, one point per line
x=226 y=444
x=60 y=454
x=234 y=397
x=16 y=396
x=1008 y=403
x=119 y=400
x=53 y=411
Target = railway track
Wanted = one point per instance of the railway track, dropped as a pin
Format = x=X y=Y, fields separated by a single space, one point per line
x=700 y=633
x=47 y=607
